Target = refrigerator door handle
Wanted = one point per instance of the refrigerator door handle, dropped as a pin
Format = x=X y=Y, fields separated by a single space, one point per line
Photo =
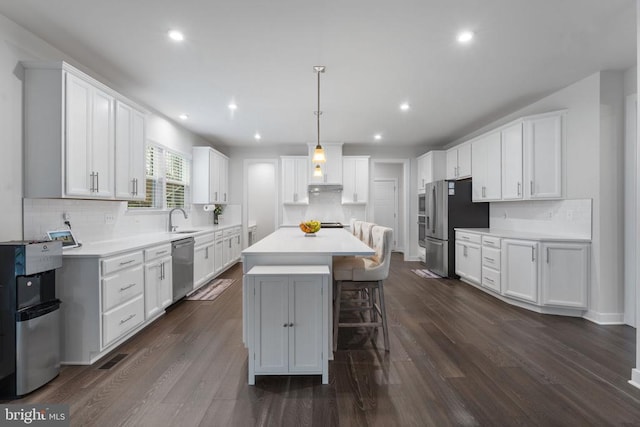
x=433 y=207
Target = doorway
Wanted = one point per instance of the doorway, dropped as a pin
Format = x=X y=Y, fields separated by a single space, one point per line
x=260 y=197
x=385 y=205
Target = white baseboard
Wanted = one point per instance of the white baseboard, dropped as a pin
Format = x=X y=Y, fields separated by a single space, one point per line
x=635 y=378
x=604 y=318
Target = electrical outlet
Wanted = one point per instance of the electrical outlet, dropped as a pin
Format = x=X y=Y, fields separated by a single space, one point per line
x=66 y=216
x=109 y=219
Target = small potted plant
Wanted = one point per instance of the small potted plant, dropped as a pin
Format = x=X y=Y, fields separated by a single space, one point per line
x=217 y=211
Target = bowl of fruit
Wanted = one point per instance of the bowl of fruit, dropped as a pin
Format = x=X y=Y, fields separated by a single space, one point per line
x=310 y=228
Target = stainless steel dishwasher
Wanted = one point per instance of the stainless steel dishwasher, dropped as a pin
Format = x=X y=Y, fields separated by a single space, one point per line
x=182 y=263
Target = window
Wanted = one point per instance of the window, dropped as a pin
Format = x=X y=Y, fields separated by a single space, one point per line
x=167 y=180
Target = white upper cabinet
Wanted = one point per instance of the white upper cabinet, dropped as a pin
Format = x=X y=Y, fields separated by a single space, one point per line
x=332 y=168
x=70 y=136
x=486 y=162
x=295 y=179
x=512 y=162
x=355 y=179
x=210 y=176
x=459 y=162
x=543 y=142
x=130 y=153
x=431 y=167
x=89 y=140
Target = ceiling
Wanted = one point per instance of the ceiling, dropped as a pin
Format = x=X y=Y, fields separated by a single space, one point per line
x=377 y=53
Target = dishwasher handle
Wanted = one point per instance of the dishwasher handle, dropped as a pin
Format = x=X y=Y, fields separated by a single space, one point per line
x=182 y=243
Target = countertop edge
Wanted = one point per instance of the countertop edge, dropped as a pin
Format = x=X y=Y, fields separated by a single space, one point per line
x=522 y=235
x=107 y=248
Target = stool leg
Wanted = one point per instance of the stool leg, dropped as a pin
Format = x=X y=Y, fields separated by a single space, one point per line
x=384 y=315
x=336 y=313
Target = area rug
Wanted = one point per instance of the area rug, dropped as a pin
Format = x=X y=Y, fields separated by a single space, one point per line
x=211 y=291
x=427 y=274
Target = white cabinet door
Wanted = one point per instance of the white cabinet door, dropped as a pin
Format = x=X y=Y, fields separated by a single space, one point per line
x=224 y=179
x=520 y=269
x=158 y=286
x=464 y=161
x=512 y=162
x=355 y=174
x=486 y=168
x=421 y=163
x=227 y=251
x=218 y=257
x=200 y=257
x=236 y=247
x=452 y=163
x=102 y=143
x=305 y=324
x=332 y=168
x=543 y=148
x=565 y=274
x=295 y=180
x=468 y=261
x=210 y=176
x=130 y=153
x=271 y=324
x=79 y=173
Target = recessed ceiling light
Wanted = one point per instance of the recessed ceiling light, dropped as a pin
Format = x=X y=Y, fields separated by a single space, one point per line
x=465 y=36
x=183 y=116
x=233 y=106
x=176 y=35
x=257 y=136
x=404 y=106
x=377 y=137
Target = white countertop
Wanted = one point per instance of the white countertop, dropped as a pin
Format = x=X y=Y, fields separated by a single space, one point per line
x=511 y=234
x=327 y=241
x=140 y=241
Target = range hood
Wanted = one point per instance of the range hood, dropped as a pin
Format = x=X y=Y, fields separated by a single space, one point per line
x=324 y=188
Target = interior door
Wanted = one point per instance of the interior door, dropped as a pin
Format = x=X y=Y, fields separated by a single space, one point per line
x=385 y=205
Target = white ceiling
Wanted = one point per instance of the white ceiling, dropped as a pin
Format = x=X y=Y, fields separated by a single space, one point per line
x=378 y=53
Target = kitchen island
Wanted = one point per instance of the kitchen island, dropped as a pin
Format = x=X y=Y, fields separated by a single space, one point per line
x=286 y=289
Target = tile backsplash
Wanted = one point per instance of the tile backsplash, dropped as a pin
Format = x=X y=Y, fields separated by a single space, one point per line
x=96 y=220
x=571 y=218
x=323 y=207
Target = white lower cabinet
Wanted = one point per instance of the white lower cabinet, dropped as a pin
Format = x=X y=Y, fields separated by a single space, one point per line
x=468 y=261
x=204 y=266
x=491 y=263
x=288 y=332
x=158 y=280
x=565 y=274
x=520 y=269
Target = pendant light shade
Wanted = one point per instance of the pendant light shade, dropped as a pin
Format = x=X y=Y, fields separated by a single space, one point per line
x=318 y=154
x=317 y=171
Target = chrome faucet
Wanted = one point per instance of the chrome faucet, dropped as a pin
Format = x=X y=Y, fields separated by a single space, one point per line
x=172 y=227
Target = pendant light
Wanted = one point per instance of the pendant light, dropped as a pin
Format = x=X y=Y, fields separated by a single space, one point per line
x=317 y=171
x=318 y=154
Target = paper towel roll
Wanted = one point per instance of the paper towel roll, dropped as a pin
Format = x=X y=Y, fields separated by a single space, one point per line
x=209 y=208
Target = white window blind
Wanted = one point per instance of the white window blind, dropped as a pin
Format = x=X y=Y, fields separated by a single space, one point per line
x=167 y=180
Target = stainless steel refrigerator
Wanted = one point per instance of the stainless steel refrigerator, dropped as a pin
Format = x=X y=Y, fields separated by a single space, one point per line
x=448 y=206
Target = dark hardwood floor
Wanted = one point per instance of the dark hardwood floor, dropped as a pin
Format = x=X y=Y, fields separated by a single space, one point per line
x=458 y=357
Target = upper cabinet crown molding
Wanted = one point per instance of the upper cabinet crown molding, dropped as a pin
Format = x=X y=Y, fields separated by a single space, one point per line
x=72 y=137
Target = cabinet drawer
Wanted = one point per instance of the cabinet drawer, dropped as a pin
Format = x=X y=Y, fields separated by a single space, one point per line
x=491 y=279
x=229 y=232
x=468 y=237
x=204 y=238
x=122 y=319
x=122 y=286
x=109 y=265
x=491 y=258
x=219 y=235
x=157 y=252
x=491 y=242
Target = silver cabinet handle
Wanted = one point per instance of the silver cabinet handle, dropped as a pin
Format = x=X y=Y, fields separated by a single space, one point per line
x=464 y=252
x=92 y=187
x=355 y=197
x=97 y=182
x=489 y=280
x=490 y=259
x=215 y=195
x=547 y=255
x=206 y=252
x=225 y=197
x=285 y=325
x=464 y=237
x=127 y=262
x=533 y=253
x=291 y=325
x=127 y=319
x=124 y=288
x=162 y=271
x=519 y=189
x=484 y=191
x=161 y=252
x=531 y=187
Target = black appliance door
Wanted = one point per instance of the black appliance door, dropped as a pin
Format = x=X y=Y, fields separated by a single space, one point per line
x=422 y=207
x=422 y=230
x=35 y=289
